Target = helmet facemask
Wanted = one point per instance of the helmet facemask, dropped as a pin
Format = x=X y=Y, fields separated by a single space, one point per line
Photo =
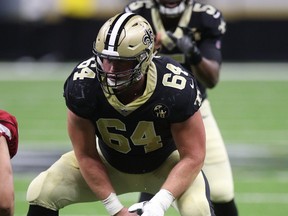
x=119 y=80
x=125 y=37
x=171 y=12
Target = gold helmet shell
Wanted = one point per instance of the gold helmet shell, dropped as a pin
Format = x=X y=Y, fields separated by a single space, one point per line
x=125 y=36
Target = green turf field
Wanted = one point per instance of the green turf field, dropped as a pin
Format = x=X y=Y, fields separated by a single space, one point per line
x=250 y=104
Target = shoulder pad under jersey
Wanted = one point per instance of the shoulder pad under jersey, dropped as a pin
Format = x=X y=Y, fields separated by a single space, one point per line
x=210 y=18
x=177 y=88
x=81 y=88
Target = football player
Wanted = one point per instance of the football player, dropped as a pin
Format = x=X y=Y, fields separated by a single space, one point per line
x=191 y=33
x=8 y=148
x=144 y=111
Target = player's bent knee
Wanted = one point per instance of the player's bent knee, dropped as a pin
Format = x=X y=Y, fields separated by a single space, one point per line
x=221 y=193
x=37 y=193
x=221 y=183
x=35 y=187
x=201 y=208
x=195 y=201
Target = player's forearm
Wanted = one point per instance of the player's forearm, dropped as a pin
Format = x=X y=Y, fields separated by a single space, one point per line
x=96 y=177
x=82 y=135
x=7 y=196
x=207 y=72
x=182 y=175
x=6 y=180
x=190 y=140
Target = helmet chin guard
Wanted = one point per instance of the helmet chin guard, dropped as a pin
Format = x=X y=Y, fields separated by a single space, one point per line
x=167 y=11
x=117 y=80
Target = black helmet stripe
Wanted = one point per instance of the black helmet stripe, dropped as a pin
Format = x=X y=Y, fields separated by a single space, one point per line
x=115 y=29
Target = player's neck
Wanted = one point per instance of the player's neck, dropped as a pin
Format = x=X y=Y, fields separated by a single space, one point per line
x=133 y=92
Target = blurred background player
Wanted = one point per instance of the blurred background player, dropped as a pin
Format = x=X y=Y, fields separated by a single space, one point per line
x=8 y=148
x=191 y=33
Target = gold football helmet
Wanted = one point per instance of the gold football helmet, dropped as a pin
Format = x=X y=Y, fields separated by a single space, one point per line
x=127 y=37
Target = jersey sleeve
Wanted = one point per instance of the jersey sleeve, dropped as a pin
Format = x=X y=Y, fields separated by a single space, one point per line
x=213 y=28
x=187 y=103
x=9 y=129
x=79 y=90
x=181 y=93
x=209 y=20
x=138 y=6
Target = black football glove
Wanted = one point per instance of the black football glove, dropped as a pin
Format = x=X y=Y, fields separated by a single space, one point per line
x=187 y=46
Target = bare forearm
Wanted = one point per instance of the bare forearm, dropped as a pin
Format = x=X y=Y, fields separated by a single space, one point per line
x=207 y=72
x=82 y=134
x=96 y=177
x=6 y=180
x=183 y=173
x=6 y=202
x=190 y=139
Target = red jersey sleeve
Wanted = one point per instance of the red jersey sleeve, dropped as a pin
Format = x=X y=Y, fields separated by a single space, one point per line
x=9 y=129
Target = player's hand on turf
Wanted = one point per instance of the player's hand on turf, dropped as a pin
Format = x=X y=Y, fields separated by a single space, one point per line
x=188 y=47
x=147 y=209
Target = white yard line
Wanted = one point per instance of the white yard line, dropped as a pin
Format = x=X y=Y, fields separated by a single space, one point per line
x=262 y=198
x=254 y=71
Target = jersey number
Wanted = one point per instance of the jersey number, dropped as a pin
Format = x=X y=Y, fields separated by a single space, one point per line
x=143 y=135
x=175 y=80
x=85 y=71
x=205 y=8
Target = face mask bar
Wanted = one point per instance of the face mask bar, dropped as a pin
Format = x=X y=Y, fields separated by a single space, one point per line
x=119 y=80
x=172 y=12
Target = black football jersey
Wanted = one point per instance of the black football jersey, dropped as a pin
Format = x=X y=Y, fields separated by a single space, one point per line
x=202 y=21
x=136 y=137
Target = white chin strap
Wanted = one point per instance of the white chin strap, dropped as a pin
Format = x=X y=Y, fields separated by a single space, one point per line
x=171 y=12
